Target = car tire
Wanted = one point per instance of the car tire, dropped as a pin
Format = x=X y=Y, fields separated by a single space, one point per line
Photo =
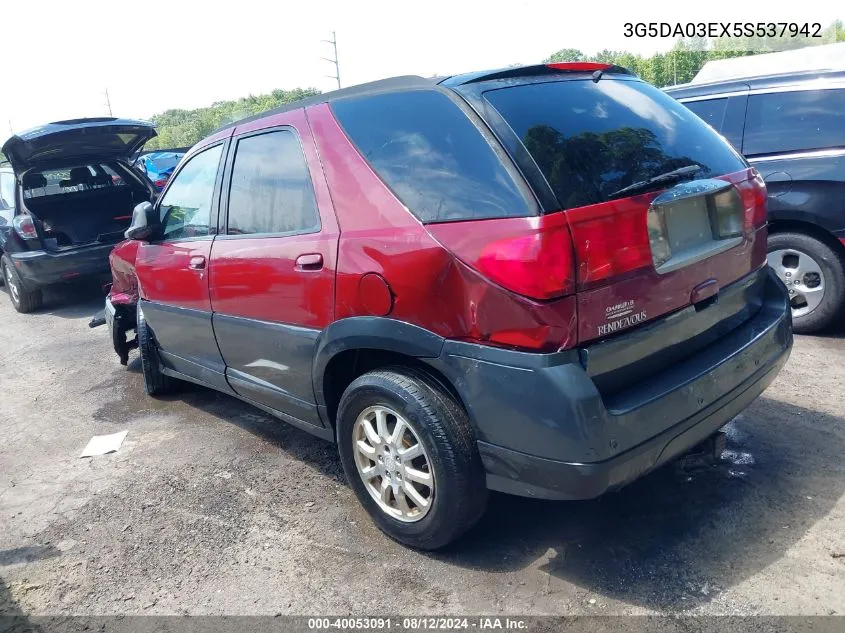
x=456 y=495
x=785 y=251
x=156 y=383
x=23 y=300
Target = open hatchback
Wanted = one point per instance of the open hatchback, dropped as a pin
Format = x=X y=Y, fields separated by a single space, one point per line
x=73 y=200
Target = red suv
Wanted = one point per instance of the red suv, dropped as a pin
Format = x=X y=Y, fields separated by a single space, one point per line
x=545 y=280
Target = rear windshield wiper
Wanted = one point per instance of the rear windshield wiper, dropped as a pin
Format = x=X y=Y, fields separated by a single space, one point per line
x=660 y=179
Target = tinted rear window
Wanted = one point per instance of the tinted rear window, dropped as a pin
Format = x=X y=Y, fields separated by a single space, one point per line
x=591 y=139
x=794 y=121
x=432 y=156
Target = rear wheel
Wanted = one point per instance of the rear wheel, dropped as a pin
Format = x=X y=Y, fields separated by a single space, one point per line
x=408 y=452
x=156 y=383
x=22 y=299
x=814 y=276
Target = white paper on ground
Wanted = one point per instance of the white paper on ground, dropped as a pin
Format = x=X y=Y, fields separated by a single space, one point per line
x=102 y=444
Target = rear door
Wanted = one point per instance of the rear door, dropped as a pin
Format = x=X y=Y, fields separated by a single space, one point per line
x=796 y=139
x=173 y=270
x=593 y=140
x=273 y=266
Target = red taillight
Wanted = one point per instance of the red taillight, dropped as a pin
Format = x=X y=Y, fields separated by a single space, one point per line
x=755 y=196
x=529 y=256
x=580 y=66
x=160 y=182
x=611 y=239
x=25 y=227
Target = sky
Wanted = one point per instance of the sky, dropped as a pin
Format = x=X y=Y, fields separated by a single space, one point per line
x=150 y=55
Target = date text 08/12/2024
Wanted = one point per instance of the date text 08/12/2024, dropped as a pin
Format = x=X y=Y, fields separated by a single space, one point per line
x=417 y=623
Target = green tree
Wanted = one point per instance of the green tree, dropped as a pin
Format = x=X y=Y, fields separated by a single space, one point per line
x=183 y=128
x=567 y=55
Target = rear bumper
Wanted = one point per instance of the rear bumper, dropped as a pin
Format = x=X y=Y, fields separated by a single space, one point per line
x=43 y=268
x=545 y=431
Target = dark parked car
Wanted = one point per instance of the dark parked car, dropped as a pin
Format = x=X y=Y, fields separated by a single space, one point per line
x=791 y=127
x=70 y=198
x=545 y=280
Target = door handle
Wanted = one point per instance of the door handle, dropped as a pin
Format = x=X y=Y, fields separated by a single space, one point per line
x=311 y=261
x=197 y=262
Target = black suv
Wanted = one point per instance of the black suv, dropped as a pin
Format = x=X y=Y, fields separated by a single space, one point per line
x=67 y=198
x=791 y=127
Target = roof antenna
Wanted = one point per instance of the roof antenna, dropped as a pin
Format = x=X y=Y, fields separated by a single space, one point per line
x=597 y=75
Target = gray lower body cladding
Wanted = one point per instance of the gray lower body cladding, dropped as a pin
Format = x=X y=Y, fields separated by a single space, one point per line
x=546 y=430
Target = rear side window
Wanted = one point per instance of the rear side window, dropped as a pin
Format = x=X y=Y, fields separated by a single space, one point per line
x=432 y=156
x=271 y=188
x=591 y=139
x=794 y=121
x=711 y=111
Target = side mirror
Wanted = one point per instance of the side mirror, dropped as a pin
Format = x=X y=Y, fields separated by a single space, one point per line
x=143 y=225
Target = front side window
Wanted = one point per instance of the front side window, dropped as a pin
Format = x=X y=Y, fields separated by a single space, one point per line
x=430 y=154
x=185 y=209
x=794 y=121
x=271 y=188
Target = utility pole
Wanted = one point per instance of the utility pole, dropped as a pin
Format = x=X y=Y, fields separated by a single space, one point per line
x=333 y=42
x=675 y=65
x=108 y=101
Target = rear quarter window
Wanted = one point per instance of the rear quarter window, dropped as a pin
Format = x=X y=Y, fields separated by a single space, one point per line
x=436 y=161
x=591 y=139
x=794 y=121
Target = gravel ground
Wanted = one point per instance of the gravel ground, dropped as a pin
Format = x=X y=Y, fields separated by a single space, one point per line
x=213 y=507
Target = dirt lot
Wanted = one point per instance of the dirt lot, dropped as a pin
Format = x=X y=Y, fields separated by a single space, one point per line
x=213 y=507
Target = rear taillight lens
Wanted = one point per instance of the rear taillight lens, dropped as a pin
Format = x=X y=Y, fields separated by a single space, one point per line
x=532 y=257
x=160 y=183
x=756 y=202
x=611 y=239
x=25 y=227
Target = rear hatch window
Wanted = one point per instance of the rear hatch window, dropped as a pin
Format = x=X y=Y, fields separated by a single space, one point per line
x=607 y=149
x=592 y=139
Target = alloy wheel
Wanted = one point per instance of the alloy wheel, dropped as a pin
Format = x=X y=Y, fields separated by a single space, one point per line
x=393 y=463
x=802 y=276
